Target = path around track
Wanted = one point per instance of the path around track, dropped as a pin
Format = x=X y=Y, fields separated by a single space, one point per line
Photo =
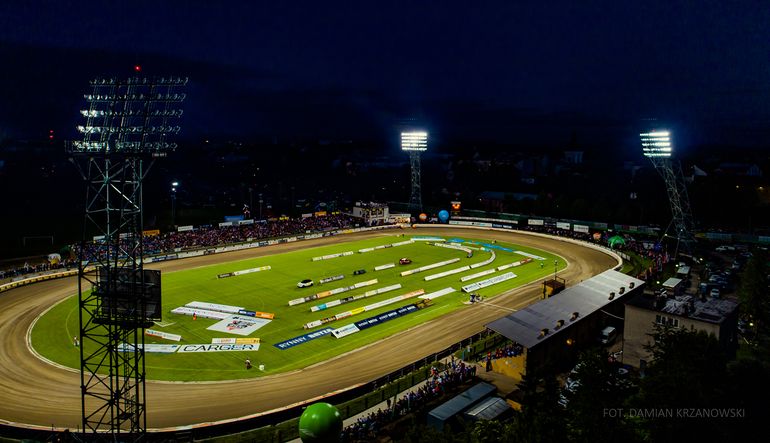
x=33 y=392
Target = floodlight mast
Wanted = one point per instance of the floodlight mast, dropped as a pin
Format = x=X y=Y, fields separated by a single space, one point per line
x=657 y=146
x=415 y=143
x=126 y=128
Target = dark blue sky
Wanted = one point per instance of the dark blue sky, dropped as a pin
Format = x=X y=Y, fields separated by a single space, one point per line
x=509 y=70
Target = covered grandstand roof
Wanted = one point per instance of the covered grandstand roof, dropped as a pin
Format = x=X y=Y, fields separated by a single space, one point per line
x=535 y=323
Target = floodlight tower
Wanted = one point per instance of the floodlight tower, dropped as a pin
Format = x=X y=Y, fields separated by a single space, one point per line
x=656 y=145
x=415 y=143
x=127 y=123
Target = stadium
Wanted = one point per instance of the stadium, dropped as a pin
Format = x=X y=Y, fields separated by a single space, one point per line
x=286 y=222
x=174 y=405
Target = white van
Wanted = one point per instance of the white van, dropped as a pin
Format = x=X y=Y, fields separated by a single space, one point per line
x=608 y=335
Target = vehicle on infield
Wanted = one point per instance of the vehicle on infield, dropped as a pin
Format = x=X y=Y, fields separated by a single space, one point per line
x=305 y=283
x=404 y=261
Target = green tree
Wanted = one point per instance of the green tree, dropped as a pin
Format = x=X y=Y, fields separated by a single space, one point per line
x=600 y=391
x=753 y=293
x=688 y=372
x=541 y=419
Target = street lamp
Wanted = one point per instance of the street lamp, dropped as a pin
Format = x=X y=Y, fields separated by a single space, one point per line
x=173 y=202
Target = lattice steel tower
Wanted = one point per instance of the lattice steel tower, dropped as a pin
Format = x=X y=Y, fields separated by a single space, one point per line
x=126 y=128
x=656 y=145
x=415 y=143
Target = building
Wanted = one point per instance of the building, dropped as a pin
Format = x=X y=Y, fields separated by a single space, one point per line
x=554 y=330
x=372 y=213
x=718 y=317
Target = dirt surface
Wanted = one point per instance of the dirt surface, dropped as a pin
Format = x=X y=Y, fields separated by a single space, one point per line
x=35 y=392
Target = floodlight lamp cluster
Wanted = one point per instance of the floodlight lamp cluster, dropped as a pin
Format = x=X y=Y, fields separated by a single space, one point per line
x=122 y=147
x=414 y=141
x=170 y=81
x=129 y=129
x=656 y=144
x=131 y=113
x=134 y=97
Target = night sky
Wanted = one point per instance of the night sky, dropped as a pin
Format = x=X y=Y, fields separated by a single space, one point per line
x=509 y=71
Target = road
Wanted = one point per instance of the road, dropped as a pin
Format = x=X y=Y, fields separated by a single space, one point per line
x=33 y=392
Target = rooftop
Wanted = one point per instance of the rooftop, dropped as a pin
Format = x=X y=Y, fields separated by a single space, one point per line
x=711 y=310
x=559 y=312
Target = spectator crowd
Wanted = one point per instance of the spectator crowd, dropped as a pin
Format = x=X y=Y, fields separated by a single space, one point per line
x=202 y=237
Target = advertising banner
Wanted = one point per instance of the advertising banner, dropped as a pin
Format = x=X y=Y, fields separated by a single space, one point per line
x=489 y=282
x=580 y=228
x=249 y=271
x=304 y=338
x=431 y=266
x=151 y=232
x=445 y=273
x=562 y=225
x=330 y=256
x=184 y=228
x=526 y=254
x=438 y=294
x=203 y=313
x=514 y=264
x=233 y=218
x=485 y=262
x=219 y=348
x=239 y=324
x=150 y=347
x=246 y=222
x=330 y=279
x=214 y=307
x=224 y=224
x=535 y=222
x=234 y=341
x=161 y=334
x=345 y=330
x=385 y=316
x=423 y=238
x=385 y=266
x=257 y=314
x=477 y=275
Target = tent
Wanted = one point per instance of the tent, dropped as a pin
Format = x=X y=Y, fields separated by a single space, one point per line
x=616 y=241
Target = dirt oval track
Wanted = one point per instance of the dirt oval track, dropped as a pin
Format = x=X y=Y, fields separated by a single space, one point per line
x=33 y=392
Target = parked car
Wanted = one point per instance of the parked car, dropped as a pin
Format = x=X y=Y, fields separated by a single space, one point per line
x=724 y=248
x=404 y=261
x=305 y=283
x=715 y=293
x=608 y=335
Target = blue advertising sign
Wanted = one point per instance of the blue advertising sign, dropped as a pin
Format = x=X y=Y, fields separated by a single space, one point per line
x=385 y=316
x=290 y=343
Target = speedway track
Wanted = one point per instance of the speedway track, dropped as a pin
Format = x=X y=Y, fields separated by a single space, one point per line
x=37 y=394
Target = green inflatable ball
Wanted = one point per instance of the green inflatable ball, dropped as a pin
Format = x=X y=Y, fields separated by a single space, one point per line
x=321 y=422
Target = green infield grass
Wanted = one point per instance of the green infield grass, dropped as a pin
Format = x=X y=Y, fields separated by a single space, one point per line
x=271 y=290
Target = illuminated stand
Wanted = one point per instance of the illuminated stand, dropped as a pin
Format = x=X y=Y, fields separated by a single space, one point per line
x=127 y=124
x=415 y=143
x=656 y=145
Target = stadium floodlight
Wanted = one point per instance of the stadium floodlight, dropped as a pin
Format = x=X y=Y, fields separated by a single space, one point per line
x=657 y=147
x=130 y=116
x=656 y=143
x=127 y=126
x=414 y=141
